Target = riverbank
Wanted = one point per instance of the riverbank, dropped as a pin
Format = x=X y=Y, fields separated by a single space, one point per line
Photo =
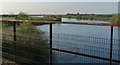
x=60 y=19
x=108 y=18
x=86 y=17
x=35 y=18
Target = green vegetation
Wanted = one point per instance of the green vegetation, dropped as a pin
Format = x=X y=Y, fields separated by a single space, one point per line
x=22 y=16
x=11 y=18
x=116 y=19
x=30 y=18
x=31 y=43
x=113 y=18
x=87 y=17
x=42 y=18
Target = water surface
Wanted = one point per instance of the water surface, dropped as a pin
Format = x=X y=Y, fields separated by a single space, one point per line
x=70 y=31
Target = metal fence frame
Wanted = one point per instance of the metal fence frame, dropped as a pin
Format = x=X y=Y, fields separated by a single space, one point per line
x=52 y=22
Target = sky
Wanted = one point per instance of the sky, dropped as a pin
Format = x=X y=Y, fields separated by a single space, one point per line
x=59 y=0
x=59 y=6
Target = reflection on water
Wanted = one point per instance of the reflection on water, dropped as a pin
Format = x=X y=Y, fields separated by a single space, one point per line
x=77 y=20
x=79 y=46
x=70 y=58
x=88 y=30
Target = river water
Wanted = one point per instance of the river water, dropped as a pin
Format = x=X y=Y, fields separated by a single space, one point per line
x=71 y=34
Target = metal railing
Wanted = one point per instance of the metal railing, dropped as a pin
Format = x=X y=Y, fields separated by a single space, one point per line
x=78 y=47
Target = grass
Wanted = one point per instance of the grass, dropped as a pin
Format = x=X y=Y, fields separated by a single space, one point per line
x=88 y=17
x=32 y=18
x=51 y=18
x=42 y=18
x=11 y=18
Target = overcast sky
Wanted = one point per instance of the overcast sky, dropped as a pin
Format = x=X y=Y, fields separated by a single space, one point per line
x=59 y=0
x=60 y=7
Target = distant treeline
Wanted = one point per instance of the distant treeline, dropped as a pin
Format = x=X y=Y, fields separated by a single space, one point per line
x=5 y=15
x=104 y=15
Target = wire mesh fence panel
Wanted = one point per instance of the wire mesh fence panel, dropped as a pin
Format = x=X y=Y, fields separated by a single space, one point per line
x=82 y=44
x=116 y=49
x=81 y=41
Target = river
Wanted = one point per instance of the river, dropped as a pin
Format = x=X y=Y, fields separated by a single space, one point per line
x=71 y=34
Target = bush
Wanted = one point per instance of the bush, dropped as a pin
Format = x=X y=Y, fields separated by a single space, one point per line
x=115 y=19
x=31 y=42
x=22 y=16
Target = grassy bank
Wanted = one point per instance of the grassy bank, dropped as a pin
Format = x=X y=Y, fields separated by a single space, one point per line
x=50 y=18
x=7 y=18
x=88 y=17
x=34 y=18
x=110 y=18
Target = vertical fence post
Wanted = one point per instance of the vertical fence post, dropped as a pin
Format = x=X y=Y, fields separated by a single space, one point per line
x=50 y=44
x=14 y=34
x=119 y=43
x=111 y=44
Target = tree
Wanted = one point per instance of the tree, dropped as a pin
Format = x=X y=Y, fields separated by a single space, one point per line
x=22 y=16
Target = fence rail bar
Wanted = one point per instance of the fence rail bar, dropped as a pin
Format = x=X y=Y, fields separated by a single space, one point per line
x=50 y=44
x=81 y=54
x=61 y=22
x=14 y=33
x=111 y=44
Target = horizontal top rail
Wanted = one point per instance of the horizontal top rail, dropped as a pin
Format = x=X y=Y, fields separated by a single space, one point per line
x=62 y=22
